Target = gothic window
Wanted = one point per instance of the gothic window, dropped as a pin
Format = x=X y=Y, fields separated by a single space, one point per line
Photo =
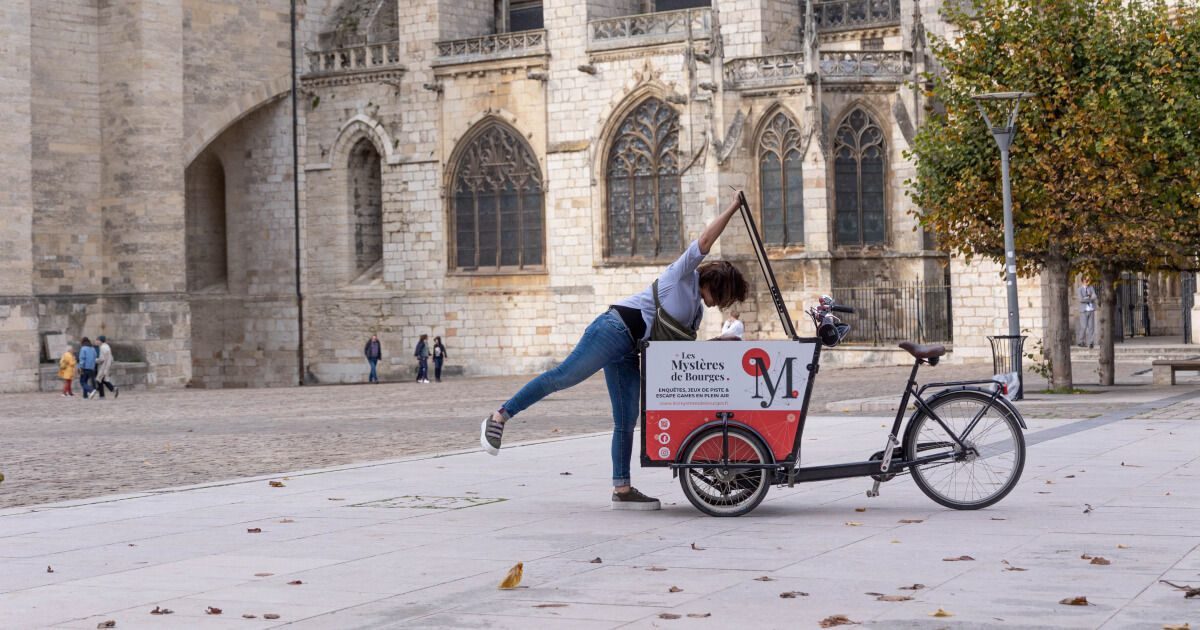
x=513 y=16
x=643 y=184
x=497 y=201
x=781 y=182
x=858 y=170
x=365 y=181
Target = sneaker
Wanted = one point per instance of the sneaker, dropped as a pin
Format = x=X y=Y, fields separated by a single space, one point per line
x=116 y=392
x=94 y=394
x=490 y=433
x=66 y=395
x=634 y=500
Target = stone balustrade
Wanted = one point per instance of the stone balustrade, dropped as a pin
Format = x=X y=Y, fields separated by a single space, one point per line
x=769 y=70
x=845 y=66
x=354 y=59
x=488 y=47
x=650 y=29
x=848 y=15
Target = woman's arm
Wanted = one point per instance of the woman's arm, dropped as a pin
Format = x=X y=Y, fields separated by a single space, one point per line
x=714 y=229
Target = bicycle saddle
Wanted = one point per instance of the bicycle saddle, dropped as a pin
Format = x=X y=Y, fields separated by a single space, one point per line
x=923 y=352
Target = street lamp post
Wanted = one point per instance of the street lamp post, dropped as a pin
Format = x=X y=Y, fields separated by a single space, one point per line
x=1004 y=137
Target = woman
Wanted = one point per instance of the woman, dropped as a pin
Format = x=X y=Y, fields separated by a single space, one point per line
x=66 y=370
x=439 y=355
x=610 y=342
x=733 y=326
x=87 y=367
x=422 y=355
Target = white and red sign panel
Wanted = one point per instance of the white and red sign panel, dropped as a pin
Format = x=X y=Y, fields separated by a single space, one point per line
x=762 y=382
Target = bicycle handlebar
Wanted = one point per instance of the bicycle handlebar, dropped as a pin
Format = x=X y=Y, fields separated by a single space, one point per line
x=838 y=308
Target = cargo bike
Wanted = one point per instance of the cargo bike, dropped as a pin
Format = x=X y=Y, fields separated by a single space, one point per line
x=728 y=418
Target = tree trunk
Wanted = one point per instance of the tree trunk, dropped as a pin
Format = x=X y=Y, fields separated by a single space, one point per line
x=1057 y=343
x=1104 y=323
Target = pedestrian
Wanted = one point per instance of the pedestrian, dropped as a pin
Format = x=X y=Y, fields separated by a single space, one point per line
x=439 y=355
x=670 y=308
x=422 y=355
x=66 y=370
x=733 y=327
x=1087 y=315
x=104 y=363
x=87 y=367
x=374 y=353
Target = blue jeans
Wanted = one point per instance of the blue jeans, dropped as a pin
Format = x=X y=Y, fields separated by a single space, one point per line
x=373 y=378
x=605 y=344
x=86 y=377
x=423 y=370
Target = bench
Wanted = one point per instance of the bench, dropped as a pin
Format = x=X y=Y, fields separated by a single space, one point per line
x=1165 y=369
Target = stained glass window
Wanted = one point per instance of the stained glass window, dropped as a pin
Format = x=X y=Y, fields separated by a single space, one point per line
x=781 y=182
x=858 y=177
x=643 y=184
x=366 y=198
x=498 y=202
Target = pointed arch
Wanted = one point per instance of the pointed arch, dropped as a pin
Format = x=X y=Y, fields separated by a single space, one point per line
x=642 y=182
x=860 y=155
x=780 y=154
x=496 y=197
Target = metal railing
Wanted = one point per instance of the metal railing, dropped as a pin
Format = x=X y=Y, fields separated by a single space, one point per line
x=493 y=46
x=355 y=58
x=650 y=28
x=848 y=15
x=857 y=65
x=888 y=313
x=1187 y=283
x=1133 y=307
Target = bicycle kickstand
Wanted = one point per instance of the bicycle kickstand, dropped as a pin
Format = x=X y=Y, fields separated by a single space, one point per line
x=874 y=491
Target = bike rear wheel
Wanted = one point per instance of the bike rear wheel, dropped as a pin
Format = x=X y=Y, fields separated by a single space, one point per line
x=974 y=477
x=718 y=491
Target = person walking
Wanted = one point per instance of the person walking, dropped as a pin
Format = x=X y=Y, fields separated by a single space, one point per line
x=87 y=367
x=66 y=370
x=1087 y=315
x=422 y=354
x=104 y=363
x=733 y=327
x=374 y=353
x=439 y=355
x=670 y=308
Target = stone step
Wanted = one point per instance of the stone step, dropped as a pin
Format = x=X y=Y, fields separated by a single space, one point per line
x=1138 y=352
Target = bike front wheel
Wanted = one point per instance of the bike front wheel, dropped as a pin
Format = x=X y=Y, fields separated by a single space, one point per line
x=981 y=470
x=718 y=490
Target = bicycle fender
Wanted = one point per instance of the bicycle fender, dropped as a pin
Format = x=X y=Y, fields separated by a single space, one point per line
x=717 y=424
x=1000 y=399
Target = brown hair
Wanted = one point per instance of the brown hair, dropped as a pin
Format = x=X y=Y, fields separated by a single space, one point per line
x=724 y=281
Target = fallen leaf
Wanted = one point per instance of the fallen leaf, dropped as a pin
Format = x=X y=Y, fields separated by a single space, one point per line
x=656 y=569
x=263 y=574
x=668 y=616
x=1087 y=508
x=295 y=583
x=1168 y=494
x=912 y=520
x=694 y=547
x=1070 y=476
x=1075 y=601
x=596 y=560
x=566 y=474
x=1085 y=557
x=998 y=519
x=895 y=541
x=1043 y=493
x=940 y=613
x=1124 y=547
x=1099 y=560
x=914 y=587
x=705 y=615
x=287 y=478
x=860 y=509
x=1009 y=567
x=959 y=559
x=514 y=576
x=764 y=579
x=554 y=430
x=1049 y=482
x=1175 y=626
x=212 y=611
x=48 y=569
x=469 y=492
x=893 y=598
x=254 y=530
x=838 y=620
x=270 y=616
x=550 y=606
x=107 y=624
x=275 y=484
x=674 y=589
x=793 y=594
x=287 y=520
x=853 y=524
x=1130 y=465
x=161 y=611
x=333 y=499
x=249 y=616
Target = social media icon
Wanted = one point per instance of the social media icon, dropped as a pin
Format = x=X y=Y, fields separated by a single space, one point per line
x=664 y=438
x=664 y=452
x=664 y=424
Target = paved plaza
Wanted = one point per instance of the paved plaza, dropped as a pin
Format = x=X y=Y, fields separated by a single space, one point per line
x=424 y=541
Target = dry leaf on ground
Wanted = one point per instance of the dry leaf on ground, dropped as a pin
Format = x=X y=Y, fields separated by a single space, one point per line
x=1087 y=508
x=668 y=616
x=212 y=611
x=270 y=616
x=550 y=606
x=914 y=587
x=793 y=594
x=1130 y=465
x=1099 y=560
x=48 y=569
x=254 y=530
x=860 y=509
x=695 y=616
x=998 y=519
x=565 y=474
x=287 y=520
x=107 y=624
x=514 y=576
x=1009 y=567
x=1124 y=547
x=249 y=616
x=275 y=484
x=295 y=582
x=912 y=520
x=655 y=569
x=1085 y=557
x=161 y=611
x=1075 y=601
x=263 y=574
x=1070 y=476
x=764 y=579
x=894 y=598
x=674 y=589
x=697 y=548
x=1048 y=482
x=853 y=524
x=596 y=560
x=1176 y=626
x=338 y=499
x=940 y=613
x=959 y=559
x=838 y=620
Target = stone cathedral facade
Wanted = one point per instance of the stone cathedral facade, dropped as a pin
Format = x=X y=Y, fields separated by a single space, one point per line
x=495 y=172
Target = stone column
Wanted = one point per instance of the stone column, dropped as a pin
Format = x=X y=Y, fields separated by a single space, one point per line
x=142 y=183
x=18 y=312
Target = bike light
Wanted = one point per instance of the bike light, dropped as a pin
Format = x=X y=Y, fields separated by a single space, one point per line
x=828 y=334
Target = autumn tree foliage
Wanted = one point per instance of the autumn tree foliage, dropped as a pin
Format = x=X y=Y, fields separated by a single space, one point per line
x=1106 y=161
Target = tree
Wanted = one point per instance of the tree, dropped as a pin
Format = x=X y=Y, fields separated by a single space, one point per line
x=1106 y=162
